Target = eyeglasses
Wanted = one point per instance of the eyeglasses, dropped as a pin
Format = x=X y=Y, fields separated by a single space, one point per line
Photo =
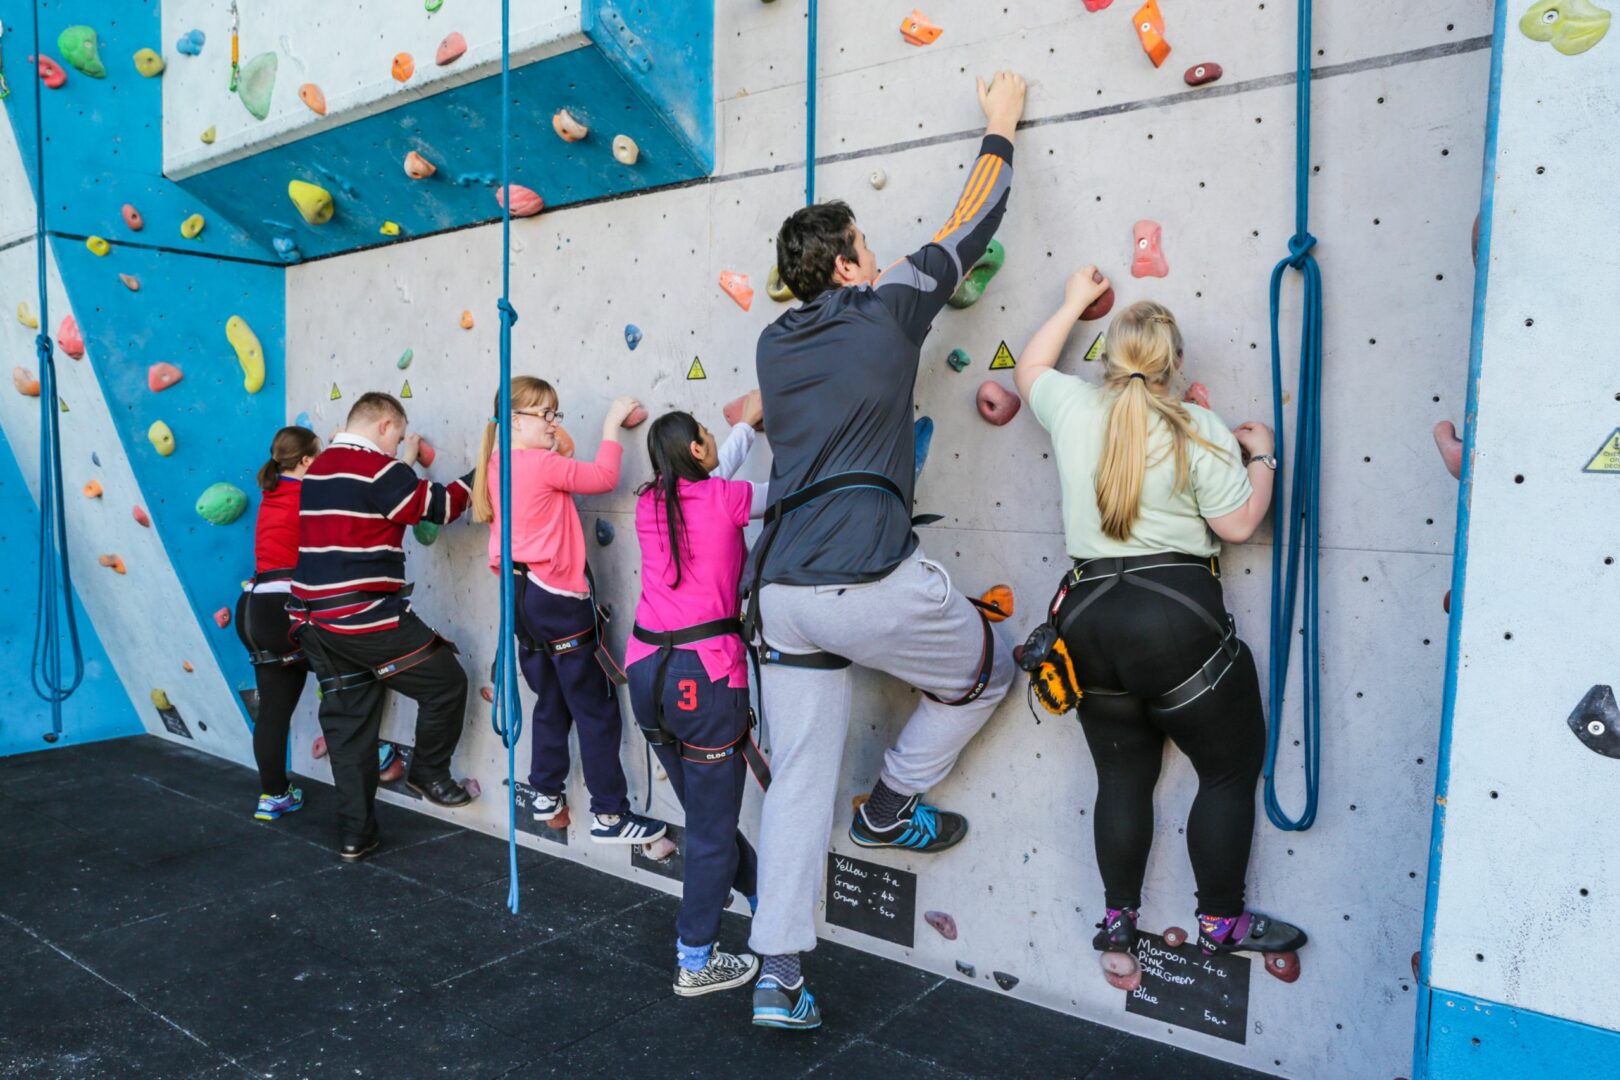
x=550 y=416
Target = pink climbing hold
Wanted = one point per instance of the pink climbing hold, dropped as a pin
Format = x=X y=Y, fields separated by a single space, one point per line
x=736 y=286
x=659 y=850
x=425 y=453
x=50 y=73
x=474 y=788
x=637 y=416
x=159 y=377
x=1148 y=260
x=132 y=218
x=1197 y=394
x=943 y=922
x=450 y=49
x=317 y=749
x=997 y=404
x=223 y=617
x=1097 y=5
x=1450 y=446
x=733 y=412
x=69 y=337
x=487 y=693
x=525 y=201
x=131 y=282
x=418 y=167
x=140 y=516
x=1103 y=304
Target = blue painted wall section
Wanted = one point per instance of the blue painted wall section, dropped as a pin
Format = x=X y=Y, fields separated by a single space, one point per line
x=667 y=109
x=100 y=709
x=1479 y=1039
x=104 y=149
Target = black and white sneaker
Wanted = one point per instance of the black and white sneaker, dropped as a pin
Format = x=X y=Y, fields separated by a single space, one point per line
x=723 y=971
x=546 y=807
x=626 y=829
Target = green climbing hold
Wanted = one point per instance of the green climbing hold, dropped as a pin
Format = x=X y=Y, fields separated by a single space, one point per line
x=258 y=80
x=221 y=504
x=148 y=63
x=974 y=281
x=958 y=359
x=425 y=532
x=405 y=358
x=432 y=5
x=1573 y=26
x=77 y=44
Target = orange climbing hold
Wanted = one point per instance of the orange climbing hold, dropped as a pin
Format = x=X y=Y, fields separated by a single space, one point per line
x=92 y=490
x=1150 y=28
x=526 y=202
x=132 y=218
x=418 y=167
x=737 y=287
x=466 y=320
x=139 y=514
x=311 y=95
x=450 y=49
x=186 y=665
x=918 y=30
x=567 y=128
x=113 y=563
x=131 y=282
x=564 y=444
x=69 y=337
x=26 y=382
x=1000 y=598
x=404 y=67
x=159 y=377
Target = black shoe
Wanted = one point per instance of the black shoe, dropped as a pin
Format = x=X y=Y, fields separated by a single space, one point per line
x=354 y=851
x=442 y=792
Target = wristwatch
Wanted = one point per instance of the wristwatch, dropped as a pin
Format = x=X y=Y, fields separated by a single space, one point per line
x=1268 y=460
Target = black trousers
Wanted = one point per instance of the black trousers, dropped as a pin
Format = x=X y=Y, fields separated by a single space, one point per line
x=263 y=625
x=351 y=718
x=1145 y=644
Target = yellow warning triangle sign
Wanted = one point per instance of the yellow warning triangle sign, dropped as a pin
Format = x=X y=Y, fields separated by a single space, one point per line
x=405 y=391
x=336 y=393
x=696 y=370
x=62 y=401
x=1096 y=350
x=1003 y=359
x=1607 y=459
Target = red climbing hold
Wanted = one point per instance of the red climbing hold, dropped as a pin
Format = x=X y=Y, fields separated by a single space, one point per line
x=1097 y=5
x=560 y=820
x=425 y=453
x=450 y=49
x=1283 y=965
x=69 y=337
x=525 y=201
x=1199 y=74
x=943 y=922
x=393 y=772
x=160 y=377
x=564 y=444
x=1175 y=936
x=1103 y=304
x=736 y=286
x=1150 y=29
x=637 y=417
x=317 y=749
x=1197 y=394
x=50 y=73
x=223 y=617
x=1450 y=446
x=1148 y=260
x=997 y=404
x=1445 y=602
x=917 y=29
x=141 y=519
x=132 y=218
x=733 y=412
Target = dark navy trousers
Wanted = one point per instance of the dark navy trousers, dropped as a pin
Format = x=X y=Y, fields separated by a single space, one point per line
x=571 y=691
x=709 y=715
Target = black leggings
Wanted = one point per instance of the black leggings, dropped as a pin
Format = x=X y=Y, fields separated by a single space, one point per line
x=1145 y=644
x=262 y=623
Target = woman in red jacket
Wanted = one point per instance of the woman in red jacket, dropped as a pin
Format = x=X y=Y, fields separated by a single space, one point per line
x=261 y=617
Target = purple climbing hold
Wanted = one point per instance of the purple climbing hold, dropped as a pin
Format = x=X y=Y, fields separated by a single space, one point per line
x=941 y=921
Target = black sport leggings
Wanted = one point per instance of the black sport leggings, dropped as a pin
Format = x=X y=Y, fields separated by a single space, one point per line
x=262 y=622
x=1145 y=644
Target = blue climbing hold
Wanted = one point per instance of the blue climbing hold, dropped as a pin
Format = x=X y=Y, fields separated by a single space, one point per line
x=632 y=335
x=95 y=459
x=604 y=532
x=302 y=420
x=924 y=430
x=191 y=42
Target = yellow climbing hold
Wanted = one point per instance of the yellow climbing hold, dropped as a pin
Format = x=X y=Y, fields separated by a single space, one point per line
x=160 y=701
x=192 y=226
x=696 y=370
x=249 y=353
x=148 y=63
x=389 y=228
x=161 y=437
x=405 y=391
x=313 y=201
x=27 y=317
x=208 y=136
x=97 y=245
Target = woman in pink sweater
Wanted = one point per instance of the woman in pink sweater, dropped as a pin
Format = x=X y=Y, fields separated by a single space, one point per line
x=556 y=613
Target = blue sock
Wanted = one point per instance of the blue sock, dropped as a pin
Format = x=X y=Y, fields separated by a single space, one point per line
x=784 y=968
x=692 y=957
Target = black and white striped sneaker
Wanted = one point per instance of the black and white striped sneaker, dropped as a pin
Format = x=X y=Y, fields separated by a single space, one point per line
x=723 y=971
x=626 y=829
x=546 y=807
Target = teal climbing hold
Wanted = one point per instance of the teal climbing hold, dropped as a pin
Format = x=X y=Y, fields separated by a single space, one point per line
x=221 y=504
x=258 y=81
x=425 y=532
x=190 y=43
x=405 y=359
x=978 y=276
x=77 y=44
x=958 y=359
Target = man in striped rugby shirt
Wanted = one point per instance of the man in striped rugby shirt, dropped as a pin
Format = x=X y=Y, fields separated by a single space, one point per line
x=355 y=622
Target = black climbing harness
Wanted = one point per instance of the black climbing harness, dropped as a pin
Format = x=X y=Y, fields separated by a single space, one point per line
x=334 y=681
x=592 y=635
x=258 y=655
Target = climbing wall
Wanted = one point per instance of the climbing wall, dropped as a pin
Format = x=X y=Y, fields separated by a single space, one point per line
x=1400 y=105
x=1521 y=959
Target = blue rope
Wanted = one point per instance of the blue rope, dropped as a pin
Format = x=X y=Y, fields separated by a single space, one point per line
x=55 y=576
x=1303 y=523
x=810 y=110
x=508 y=714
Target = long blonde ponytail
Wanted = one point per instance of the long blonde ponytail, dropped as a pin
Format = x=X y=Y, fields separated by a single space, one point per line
x=1143 y=345
x=528 y=392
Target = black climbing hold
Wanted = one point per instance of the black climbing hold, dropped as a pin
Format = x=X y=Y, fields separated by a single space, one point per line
x=966 y=969
x=51 y=736
x=1596 y=722
x=604 y=532
x=1004 y=980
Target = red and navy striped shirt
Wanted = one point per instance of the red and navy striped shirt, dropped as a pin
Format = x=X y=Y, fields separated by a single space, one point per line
x=356 y=504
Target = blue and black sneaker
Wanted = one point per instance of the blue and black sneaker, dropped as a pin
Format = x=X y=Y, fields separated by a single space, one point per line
x=272 y=807
x=917 y=827
x=777 y=1006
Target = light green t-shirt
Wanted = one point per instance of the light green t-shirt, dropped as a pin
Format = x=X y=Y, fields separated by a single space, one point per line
x=1075 y=412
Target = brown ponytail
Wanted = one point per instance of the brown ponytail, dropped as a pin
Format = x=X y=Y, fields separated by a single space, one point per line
x=290 y=446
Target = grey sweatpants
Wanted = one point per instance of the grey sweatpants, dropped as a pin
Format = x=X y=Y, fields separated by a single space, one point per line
x=912 y=625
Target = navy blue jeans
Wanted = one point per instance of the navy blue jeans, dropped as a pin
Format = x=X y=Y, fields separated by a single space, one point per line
x=709 y=715
x=571 y=690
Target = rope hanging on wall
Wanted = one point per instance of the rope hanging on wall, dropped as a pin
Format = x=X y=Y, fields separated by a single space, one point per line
x=55 y=607
x=1302 y=523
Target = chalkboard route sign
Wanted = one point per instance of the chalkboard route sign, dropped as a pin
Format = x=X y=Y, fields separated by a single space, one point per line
x=872 y=899
x=1183 y=987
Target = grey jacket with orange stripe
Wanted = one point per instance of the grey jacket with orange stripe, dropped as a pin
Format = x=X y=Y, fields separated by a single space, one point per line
x=837 y=375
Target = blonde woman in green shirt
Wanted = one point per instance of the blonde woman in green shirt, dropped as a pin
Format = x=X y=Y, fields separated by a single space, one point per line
x=1151 y=486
